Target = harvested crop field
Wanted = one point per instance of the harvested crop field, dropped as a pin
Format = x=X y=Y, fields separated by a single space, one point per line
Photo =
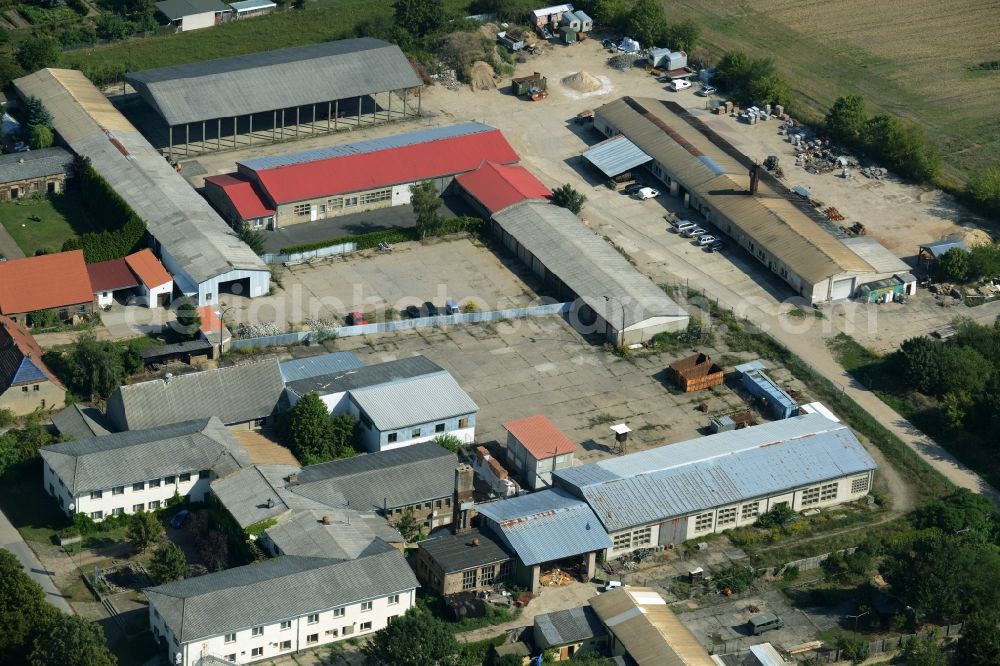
x=912 y=58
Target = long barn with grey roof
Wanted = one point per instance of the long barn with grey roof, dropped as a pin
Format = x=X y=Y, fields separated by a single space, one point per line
x=680 y=491
x=280 y=606
x=327 y=85
x=202 y=253
x=140 y=470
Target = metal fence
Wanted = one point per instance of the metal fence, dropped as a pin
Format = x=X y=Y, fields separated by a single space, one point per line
x=406 y=324
x=318 y=253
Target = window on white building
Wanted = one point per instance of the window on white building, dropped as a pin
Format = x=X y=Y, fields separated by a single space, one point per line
x=347 y=630
x=703 y=522
x=391 y=437
x=338 y=612
x=169 y=480
x=622 y=541
x=469 y=579
x=393 y=599
x=439 y=427
x=366 y=606
x=751 y=510
x=859 y=485
x=97 y=515
x=313 y=619
x=312 y=639
x=463 y=422
x=231 y=657
x=154 y=483
x=727 y=515
x=257 y=652
x=829 y=492
x=230 y=638
x=185 y=477
x=285 y=645
x=139 y=486
x=96 y=494
x=415 y=433
x=301 y=209
x=118 y=490
x=154 y=505
x=138 y=507
x=286 y=624
x=810 y=496
x=257 y=631
x=642 y=537
x=118 y=511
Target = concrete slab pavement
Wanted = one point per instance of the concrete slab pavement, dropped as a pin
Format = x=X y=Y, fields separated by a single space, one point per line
x=11 y=540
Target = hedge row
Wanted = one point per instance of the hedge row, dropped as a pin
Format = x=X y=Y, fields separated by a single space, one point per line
x=104 y=203
x=373 y=239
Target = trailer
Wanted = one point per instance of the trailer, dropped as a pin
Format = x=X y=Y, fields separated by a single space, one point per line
x=512 y=44
x=524 y=85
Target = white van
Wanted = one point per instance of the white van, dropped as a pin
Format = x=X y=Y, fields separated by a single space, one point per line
x=680 y=84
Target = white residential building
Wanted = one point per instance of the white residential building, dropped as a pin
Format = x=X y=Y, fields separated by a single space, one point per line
x=673 y=493
x=280 y=606
x=139 y=470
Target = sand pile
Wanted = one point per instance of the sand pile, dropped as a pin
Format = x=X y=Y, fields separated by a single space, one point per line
x=975 y=237
x=583 y=82
x=481 y=76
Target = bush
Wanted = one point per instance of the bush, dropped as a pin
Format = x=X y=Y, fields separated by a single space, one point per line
x=84 y=524
x=779 y=516
x=105 y=204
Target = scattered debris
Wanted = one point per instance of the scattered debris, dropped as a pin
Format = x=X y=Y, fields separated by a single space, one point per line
x=256 y=330
x=877 y=173
x=833 y=214
x=447 y=78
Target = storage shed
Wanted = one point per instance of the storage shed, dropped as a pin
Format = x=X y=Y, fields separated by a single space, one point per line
x=775 y=401
x=694 y=373
x=570 y=20
x=586 y=23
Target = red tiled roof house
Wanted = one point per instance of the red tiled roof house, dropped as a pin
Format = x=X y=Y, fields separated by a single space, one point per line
x=281 y=190
x=141 y=274
x=535 y=448
x=57 y=282
x=26 y=383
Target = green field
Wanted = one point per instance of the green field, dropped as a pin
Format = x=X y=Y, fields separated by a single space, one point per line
x=320 y=21
x=909 y=58
x=60 y=217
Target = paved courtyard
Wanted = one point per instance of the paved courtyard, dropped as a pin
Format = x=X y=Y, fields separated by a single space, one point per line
x=522 y=367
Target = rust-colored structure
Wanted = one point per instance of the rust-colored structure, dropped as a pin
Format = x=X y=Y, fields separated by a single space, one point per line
x=694 y=373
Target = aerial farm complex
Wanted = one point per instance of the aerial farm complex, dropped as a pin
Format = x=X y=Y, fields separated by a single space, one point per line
x=316 y=342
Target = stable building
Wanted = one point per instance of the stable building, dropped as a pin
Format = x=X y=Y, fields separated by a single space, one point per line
x=493 y=187
x=575 y=264
x=783 y=231
x=681 y=491
x=282 y=190
x=552 y=533
x=35 y=172
x=196 y=246
x=57 y=282
x=26 y=383
x=276 y=95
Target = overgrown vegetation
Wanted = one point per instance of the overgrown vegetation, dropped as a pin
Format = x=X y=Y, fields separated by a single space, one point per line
x=750 y=80
x=92 y=369
x=903 y=146
x=124 y=229
x=568 y=198
x=949 y=389
x=313 y=435
x=453 y=225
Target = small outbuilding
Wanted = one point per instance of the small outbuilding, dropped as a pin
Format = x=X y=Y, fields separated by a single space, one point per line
x=774 y=400
x=251 y=8
x=192 y=14
x=930 y=252
x=471 y=562
x=569 y=632
x=536 y=448
x=694 y=373
x=34 y=172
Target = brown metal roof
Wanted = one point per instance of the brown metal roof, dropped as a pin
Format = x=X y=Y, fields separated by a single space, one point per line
x=695 y=156
x=649 y=631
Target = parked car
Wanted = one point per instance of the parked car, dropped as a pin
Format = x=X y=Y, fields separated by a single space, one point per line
x=451 y=306
x=355 y=319
x=715 y=247
x=647 y=193
x=707 y=239
x=707 y=91
x=430 y=310
x=684 y=226
x=679 y=84
x=632 y=188
x=694 y=233
x=413 y=312
x=758 y=624
x=180 y=518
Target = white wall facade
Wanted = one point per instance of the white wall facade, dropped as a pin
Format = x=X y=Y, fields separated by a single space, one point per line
x=127 y=498
x=197 y=21
x=287 y=636
x=534 y=473
x=148 y=297
x=691 y=526
x=104 y=298
x=401 y=194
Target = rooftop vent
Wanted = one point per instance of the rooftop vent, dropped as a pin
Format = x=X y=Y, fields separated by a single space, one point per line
x=293 y=478
x=474 y=542
x=326 y=520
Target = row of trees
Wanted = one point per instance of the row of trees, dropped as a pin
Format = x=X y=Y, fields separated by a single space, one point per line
x=125 y=229
x=36 y=633
x=963 y=373
x=900 y=144
x=979 y=263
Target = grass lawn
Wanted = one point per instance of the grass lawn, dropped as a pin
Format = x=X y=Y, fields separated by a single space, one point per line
x=61 y=216
x=31 y=510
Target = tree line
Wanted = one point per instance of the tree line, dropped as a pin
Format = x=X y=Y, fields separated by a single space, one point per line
x=125 y=229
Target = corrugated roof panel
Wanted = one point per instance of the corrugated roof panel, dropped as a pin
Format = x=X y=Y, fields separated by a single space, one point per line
x=616 y=156
x=409 y=402
x=315 y=366
x=726 y=468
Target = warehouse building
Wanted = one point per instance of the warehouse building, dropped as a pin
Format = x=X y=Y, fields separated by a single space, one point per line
x=784 y=232
x=493 y=187
x=282 y=190
x=611 y=296
x=673 y=493
x=276 y=95
x=196 y=246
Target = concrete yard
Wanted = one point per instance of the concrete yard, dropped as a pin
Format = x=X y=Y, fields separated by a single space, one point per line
x=523 y=367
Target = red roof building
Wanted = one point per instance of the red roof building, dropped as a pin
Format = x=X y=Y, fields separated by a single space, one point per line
x=108 y=276
x=148 y=269
x=49 y=281
x=496 y=186
x=141 y=272
x=335 y=180
x=536 y=448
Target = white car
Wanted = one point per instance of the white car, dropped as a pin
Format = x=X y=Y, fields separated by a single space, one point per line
x=680 y=84
x=694 y=233
x=707 y=239
x=647 y=193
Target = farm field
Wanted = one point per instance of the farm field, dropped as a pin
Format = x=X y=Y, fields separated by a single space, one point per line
x=908 y=58
x=60 y=217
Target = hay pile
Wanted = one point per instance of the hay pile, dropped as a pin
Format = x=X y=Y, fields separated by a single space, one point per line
x=973 y=237
x=583 y=82
x=481 y=76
